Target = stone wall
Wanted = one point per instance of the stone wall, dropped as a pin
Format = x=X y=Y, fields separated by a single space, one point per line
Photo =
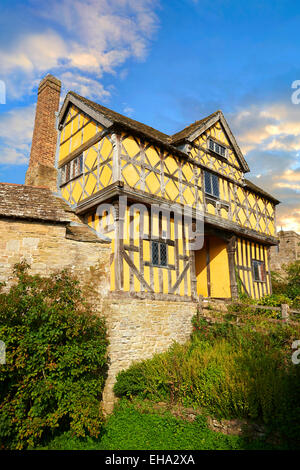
x=288 y=250
x=140 y=328
x=45 y=247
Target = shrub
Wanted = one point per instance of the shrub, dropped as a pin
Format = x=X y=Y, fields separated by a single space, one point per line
x=228 y=371
x=289 y=283
x=56 y=360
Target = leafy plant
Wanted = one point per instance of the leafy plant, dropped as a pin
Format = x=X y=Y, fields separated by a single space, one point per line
x=289 y=283
x=56 y=360
x=228 y=371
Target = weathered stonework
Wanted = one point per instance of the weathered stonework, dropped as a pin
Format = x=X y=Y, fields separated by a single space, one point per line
x=288 y=250
x=138 y=329
x=45 y=247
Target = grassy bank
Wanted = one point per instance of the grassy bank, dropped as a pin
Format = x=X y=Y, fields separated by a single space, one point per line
x=138 y=426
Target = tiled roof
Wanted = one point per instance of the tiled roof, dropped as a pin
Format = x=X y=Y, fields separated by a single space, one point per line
x=29 y=202
x=124 y=120
x=139 y=126
x=260 y=191
x=187 y=131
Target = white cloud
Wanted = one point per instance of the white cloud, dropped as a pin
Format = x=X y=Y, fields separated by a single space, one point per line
x=84 y=86
x=127 y=110
x=16 y=128
x=269 y=136
x=271 y=127
x=32 y=53
x=81 y=39
x=76 y=41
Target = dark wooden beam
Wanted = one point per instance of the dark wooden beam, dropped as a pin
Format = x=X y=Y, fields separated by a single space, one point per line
x=231 y=249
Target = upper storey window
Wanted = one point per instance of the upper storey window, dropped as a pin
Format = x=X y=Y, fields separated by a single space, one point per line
x=217 y=148
x=72 y=169
x=211 y=184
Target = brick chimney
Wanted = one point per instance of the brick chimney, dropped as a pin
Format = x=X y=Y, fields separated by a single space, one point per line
x=41 y=170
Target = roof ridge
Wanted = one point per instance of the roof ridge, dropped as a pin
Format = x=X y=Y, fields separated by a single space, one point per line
x=193 y=126
x=116 y=113
x=169 y=138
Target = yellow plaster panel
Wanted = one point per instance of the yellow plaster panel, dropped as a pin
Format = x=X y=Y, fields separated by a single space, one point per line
x=106 y=148
x=126 y=275
x=187 y=172
x=76 y=141
x=165 y=280
x=130 y=174
x=170 y=165
x=171 y=190
x=91 y=158
x=211 y=209
x=131 y=147
x=67 y=131
x=153 y=182
x=90 y=183
x=181 y=285
x=89 y=131
x=136 y=282
x=105 y=176
x=147 y=275
x=156 y=279
x=201 y=272
x=64 y=150
x=152 y=155
x=146 y=250
x=188 y=195
x=219 y=269
x=77 y=191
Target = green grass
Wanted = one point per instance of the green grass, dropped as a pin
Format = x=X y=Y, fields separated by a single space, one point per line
x=133 y=426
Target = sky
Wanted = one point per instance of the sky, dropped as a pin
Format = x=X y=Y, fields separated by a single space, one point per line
x=165 y=63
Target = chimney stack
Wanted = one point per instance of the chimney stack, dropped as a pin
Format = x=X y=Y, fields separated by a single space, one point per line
x=41 y=170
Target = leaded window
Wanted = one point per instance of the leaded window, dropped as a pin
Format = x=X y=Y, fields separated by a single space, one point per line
x=159 y=253
x=259 y=273
x=72 y=169
x=211 y=184
x=217 y=148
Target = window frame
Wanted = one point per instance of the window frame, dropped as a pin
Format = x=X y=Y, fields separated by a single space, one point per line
x=159 y=244
x=72 y=169
x=211 y=176
x=217 y=144
x=261 y=263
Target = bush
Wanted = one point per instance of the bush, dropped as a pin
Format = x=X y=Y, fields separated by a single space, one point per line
x=289 y=284
x=56 y=360
x=229 y=372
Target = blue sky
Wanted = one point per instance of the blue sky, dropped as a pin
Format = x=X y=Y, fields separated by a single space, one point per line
x=166 y=63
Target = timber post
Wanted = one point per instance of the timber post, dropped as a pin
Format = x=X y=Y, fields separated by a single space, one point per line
x=231 y=248
x=118 y=246
x=285 y=312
